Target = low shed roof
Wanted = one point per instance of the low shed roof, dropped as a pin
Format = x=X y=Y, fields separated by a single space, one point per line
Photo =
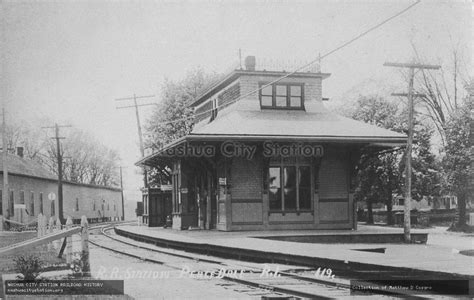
x=21 y=166
x=17 y=165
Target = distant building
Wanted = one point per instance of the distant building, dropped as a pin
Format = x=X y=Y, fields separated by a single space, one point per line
x=427 y=203
x=268 y=158
x=33 y=190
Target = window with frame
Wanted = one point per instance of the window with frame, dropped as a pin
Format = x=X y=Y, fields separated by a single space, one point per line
x=41 y=203
x=11 y=206
x=22 y=197
x=77 y=204
x=53 y=208
x=282 y=96
x=289 y=187
x=32 y=204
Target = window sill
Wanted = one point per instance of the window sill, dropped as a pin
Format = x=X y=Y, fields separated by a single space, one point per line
x=281 y=108
x=297 y=212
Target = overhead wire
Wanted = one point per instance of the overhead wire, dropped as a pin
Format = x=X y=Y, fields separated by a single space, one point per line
x=299 y=68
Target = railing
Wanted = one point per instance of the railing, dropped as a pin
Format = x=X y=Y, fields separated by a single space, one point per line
x=49 y=233
x=15 y=225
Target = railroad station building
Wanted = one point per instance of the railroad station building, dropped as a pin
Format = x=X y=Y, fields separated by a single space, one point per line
x=265 y=153
x=33 y=190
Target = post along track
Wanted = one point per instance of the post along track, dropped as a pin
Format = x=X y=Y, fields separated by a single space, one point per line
x=282 y=280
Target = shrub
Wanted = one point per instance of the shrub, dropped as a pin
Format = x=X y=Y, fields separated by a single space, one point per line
x=30 y=266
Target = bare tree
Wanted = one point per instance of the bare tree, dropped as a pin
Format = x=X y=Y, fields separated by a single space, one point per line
x=85 y=159
x=442 y=90
x=30 y=138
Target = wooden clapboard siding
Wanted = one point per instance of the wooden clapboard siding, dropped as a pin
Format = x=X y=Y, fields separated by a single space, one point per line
x=247 y=213
x=334 y=188
x=333 y=175
x=246 y=190
x=247 y=178
x=334 y=210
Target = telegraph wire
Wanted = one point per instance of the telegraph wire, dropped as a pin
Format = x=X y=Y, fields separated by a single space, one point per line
x=300 y=68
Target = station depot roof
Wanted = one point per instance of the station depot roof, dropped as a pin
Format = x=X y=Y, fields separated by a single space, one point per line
x=314 y=124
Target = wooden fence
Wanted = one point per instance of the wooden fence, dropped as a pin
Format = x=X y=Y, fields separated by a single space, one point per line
x=50 y=233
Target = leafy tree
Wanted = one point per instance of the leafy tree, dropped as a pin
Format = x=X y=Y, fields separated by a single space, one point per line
x=457 y=157
x=378 y=179
x=425 y=165
x=381 y=172
x=172 y=118
x=378 y=171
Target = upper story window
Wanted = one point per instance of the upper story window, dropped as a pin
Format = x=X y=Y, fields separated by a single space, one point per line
x=282 y=96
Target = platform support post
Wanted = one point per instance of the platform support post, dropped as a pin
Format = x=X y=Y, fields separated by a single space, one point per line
x=208 y=206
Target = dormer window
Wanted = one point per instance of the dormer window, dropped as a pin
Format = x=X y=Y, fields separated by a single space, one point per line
x=282 y=96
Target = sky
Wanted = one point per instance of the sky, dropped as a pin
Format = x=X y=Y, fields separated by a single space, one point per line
x=67 y=61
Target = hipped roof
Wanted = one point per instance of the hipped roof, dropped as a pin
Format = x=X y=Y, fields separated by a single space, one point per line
x=314 y=124
x=295 y=124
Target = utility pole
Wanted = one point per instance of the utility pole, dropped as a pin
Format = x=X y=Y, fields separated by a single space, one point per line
x=5 y=212
x=121 y=188
x=60 y=169
x=240 y=58
x=411 y=112
x=140 y=136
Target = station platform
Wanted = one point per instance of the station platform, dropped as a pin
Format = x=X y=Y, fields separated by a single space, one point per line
x=436 y=261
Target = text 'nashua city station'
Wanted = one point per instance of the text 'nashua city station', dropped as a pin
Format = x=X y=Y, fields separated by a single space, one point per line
x=237 y=149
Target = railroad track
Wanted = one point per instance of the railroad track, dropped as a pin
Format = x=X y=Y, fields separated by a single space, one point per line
x=277 y=280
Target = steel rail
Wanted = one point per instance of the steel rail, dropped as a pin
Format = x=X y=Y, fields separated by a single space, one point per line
x=228 y=278
x=269 y=287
